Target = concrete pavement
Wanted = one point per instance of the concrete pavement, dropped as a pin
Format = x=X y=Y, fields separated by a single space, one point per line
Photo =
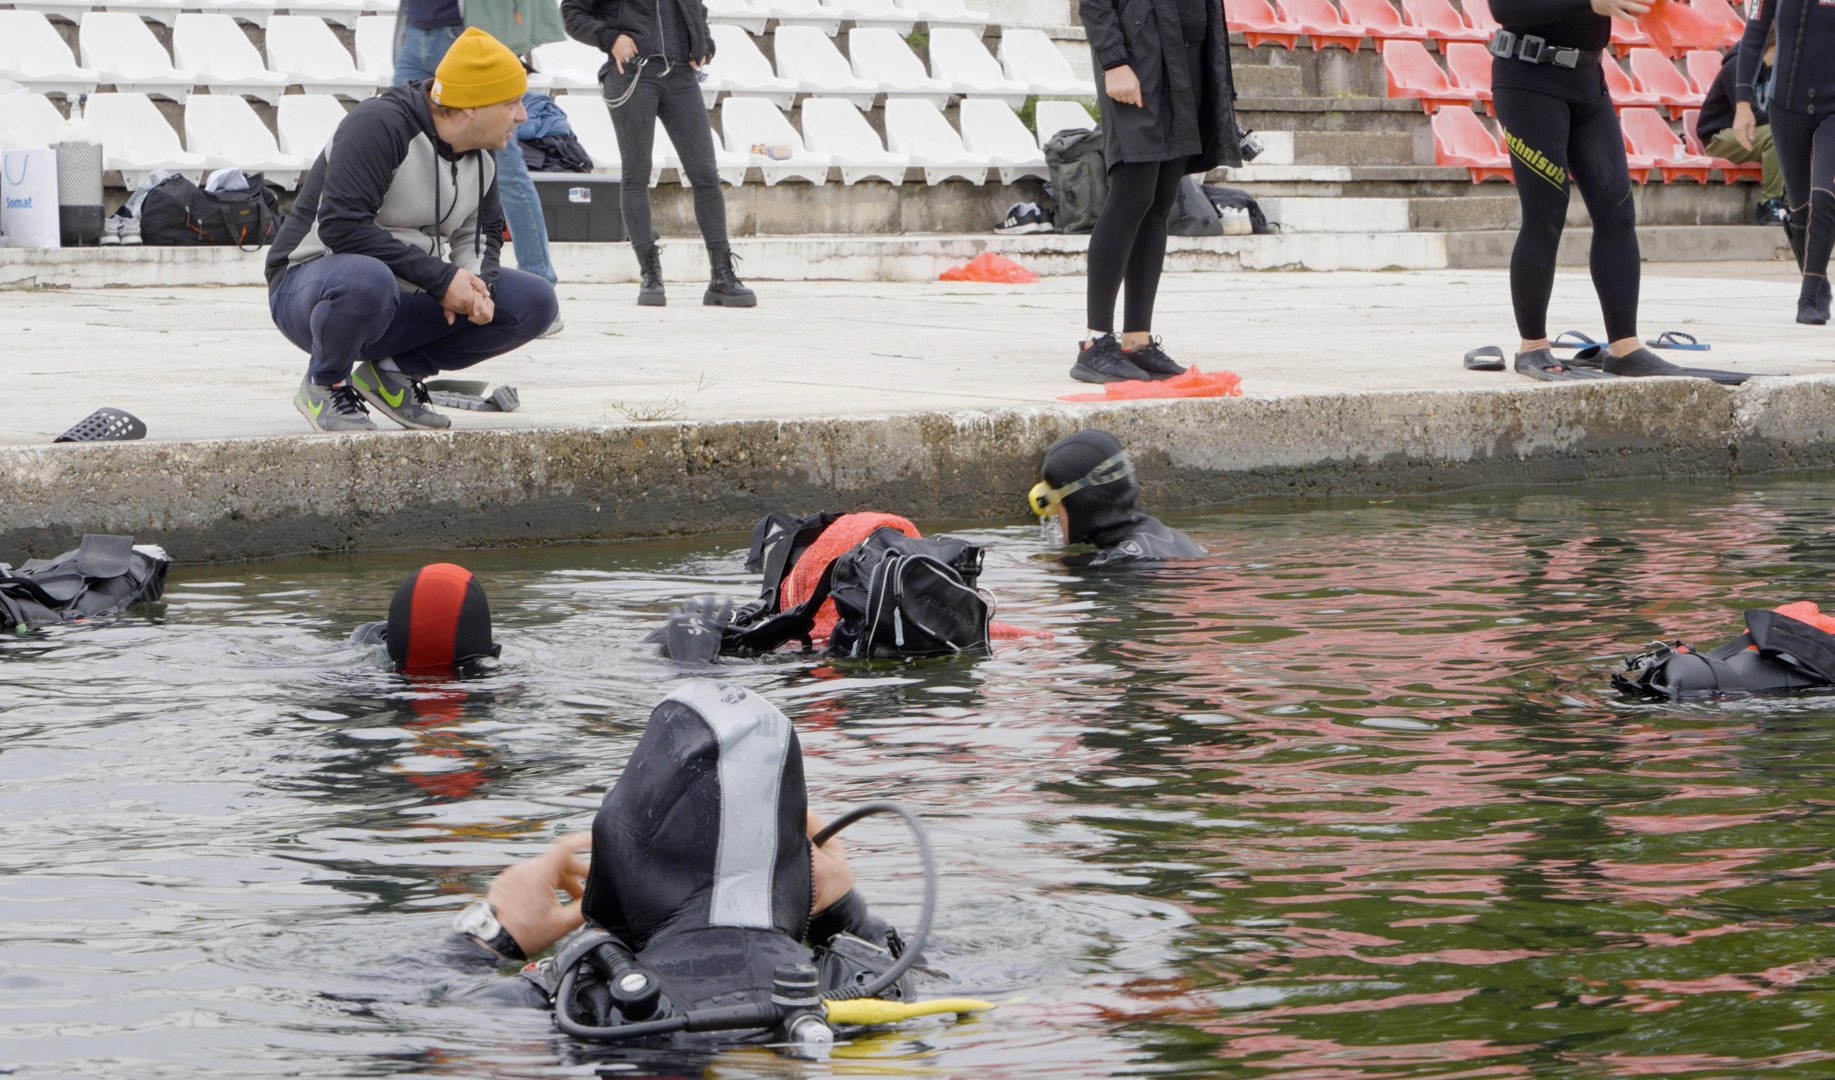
x=207 y=363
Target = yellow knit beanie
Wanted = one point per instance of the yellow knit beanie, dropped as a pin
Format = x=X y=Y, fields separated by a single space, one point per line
x=478 y=70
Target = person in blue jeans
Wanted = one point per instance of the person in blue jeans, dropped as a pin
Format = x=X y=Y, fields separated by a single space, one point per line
x=429 y=27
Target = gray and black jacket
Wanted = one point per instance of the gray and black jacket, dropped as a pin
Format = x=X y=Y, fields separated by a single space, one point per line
x=387 y=186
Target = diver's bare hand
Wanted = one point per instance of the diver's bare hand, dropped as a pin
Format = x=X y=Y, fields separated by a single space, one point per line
x=833 y=877
x=523 y=894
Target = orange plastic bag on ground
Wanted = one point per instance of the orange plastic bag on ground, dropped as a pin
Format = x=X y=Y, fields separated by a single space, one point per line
x=1676 y=27
x=1193 y=383
x=988 y=266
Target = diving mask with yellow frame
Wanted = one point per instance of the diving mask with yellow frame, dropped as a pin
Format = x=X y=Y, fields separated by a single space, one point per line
x=1043 y=498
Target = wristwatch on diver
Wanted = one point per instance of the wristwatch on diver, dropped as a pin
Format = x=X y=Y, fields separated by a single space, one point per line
x=479 y=921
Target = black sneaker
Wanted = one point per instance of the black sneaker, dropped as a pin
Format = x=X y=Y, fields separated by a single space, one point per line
x=1100 y=360
x=1023 y=218
x=1770 y=212
x=1153 y=360
x=332 y=408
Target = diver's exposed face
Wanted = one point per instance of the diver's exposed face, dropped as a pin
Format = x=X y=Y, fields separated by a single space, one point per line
x=1063 y=522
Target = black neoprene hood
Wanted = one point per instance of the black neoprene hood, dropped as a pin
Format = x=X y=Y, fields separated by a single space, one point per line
x=1101 y=513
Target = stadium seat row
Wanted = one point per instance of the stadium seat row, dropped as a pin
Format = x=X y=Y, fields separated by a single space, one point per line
x=223 y=130
x=1412 y=72
x=1461 y=139
x=210 y=51
x=753 y=14
x=1284 y=22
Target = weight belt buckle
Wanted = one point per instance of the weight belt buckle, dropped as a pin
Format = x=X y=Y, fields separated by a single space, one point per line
x=1533 y=49
x=1503 y=44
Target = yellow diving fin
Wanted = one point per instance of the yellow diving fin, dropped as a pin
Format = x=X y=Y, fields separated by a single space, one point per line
x=869 y=1011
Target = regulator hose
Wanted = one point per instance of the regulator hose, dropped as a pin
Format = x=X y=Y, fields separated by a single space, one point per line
x=765 y=1014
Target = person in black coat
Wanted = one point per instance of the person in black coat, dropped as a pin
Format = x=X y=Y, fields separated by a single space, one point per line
x=1167 y=102
x=654 y=51
x=1802 y=89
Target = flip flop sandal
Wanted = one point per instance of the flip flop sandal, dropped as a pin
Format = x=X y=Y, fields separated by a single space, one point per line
x=1676 y=339
x=1488 y=358
x=105 y=425
x=1571 y=339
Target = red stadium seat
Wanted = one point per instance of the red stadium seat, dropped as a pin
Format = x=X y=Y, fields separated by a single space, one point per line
x=1732 y=24
x=1412 y=73
x=1647 y=136
x=1478 y=16
x=1257 y=23
x=1657 y=74
x=1381 y=19
x=1323 y=24
x=1441 y=22
x=1703 y=68
x=1626 y=35
x=1618 y=84
x=1730 y=172
x=1461 y=139
x=1468 y=64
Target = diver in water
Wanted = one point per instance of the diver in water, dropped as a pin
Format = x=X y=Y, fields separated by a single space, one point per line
x=1090 y=483
x=705 y=896
x=439 y=623
x=1791 y=647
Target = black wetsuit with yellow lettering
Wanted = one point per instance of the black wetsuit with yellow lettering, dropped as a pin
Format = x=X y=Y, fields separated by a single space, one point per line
x=1559 y=126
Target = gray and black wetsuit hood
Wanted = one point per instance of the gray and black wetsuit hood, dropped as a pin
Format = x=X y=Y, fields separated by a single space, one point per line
x=1100 y=514
x=701 y=860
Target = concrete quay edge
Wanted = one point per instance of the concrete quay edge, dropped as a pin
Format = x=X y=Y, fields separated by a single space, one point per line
x=246 y=498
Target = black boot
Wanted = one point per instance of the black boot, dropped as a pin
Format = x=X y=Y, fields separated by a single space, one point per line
x=1796 y=230
x=650 y=261
x=725 y=289
x=1813 y=300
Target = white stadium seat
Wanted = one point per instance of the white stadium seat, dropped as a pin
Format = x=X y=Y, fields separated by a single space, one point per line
x=742 y=69
x=592 y=125
x=136 y=139
x=882 y=13
x=381 y=7
x=1055 y=116
x=227 y=132
x=342 y=12
x=163 y=12
x=806 y=13
x=835 y=127
x=255 y=11
x=958 y=58
x=990 y=128
x=937 y=13
x=573 y=65
x=226 y=61
x=304 y=49
x=749 y=122
x=124 y=52
x=1030 y=57
x=33 y=54
x=807 y=57
x=881 y=54
x=305 y=123
x=917 y=129
x=748 y=15
x=729 y=165
x=376 y=48
x=69 y=9
x=28 y=121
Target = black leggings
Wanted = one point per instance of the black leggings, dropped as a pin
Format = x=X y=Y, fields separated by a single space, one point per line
x=675 y=98
x=1552 y=141
x=1806 y=156
x=1129 y=242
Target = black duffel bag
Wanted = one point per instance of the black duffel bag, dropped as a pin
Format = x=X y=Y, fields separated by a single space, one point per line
x=101 y=576
x=178 y=212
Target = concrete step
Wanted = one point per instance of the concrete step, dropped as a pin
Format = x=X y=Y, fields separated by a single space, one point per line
x=1268 y=81
x=1331 y=72
x=1661 y=205
x=1490 y=249
x=1342 y=149
x=915 y=258
x=1342 y=114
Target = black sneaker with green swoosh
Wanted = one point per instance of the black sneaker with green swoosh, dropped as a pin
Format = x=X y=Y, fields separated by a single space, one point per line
x=399 y=397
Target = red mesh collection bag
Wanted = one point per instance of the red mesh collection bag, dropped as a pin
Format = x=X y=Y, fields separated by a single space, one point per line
x=988 y=266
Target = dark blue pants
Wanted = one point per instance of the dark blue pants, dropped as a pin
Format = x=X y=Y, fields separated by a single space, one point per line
x=345 y=309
